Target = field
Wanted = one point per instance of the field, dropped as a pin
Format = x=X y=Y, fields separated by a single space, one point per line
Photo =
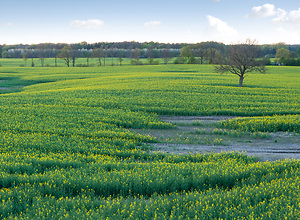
x=81 y=143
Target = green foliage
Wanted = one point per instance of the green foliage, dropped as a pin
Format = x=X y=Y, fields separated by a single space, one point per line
x=136 y=62
x=68 y=149
x=276 y=123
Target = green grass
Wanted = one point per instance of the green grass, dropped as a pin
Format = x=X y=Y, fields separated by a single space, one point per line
x=68 y=151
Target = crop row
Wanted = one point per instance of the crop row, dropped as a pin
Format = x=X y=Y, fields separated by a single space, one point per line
x=290 y=123
x=127 y=190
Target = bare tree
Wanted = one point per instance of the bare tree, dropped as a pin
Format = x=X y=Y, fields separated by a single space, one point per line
x=241 y=60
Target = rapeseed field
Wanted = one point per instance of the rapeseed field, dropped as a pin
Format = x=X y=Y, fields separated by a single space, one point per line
x=69 y=149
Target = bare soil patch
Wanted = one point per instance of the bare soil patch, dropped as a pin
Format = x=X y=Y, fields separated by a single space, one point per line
x=196 y=135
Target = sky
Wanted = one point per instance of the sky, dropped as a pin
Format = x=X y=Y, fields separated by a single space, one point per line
x=165 y=21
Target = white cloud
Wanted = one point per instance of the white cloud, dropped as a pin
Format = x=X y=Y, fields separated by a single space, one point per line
x=291 y=17
x=266 y=10
x=280 y=15
x=219 y=30
x=217 y=26
x=88 y=24
x=152 y=23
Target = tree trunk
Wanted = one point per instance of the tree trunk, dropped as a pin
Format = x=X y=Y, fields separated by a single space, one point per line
x=241 y=81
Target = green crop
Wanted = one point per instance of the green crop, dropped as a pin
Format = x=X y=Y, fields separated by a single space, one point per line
x=69 y=150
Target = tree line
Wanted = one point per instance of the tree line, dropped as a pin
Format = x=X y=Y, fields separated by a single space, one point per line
x=204 y=52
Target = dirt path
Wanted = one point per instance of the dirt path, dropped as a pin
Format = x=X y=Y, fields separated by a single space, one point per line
x=197 y=134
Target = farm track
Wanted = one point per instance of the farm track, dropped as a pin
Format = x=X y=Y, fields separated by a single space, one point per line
x=277 y=146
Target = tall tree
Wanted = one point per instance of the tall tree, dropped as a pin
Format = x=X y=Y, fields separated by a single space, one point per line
x=241 y=61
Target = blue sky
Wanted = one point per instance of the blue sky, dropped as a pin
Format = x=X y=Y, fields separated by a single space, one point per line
x=169 y=21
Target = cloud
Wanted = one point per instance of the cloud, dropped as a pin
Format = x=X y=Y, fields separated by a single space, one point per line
x=219 y=30
x=291 y=17
x=217 y=26
x=278 y=14
x=88 y=24
x=152 y=23
x=265 y=10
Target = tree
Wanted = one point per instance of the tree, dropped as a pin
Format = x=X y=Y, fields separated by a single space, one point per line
x=73 y=55
x=149 y=53
x=186 y=52
x=25 y=57
x=120 y=55
x=98 y=53
x=241 y=61
x=41 y=53
x=166 y=55
x=111 y=51
x=65 y=54
x=282 y=55
x=87 y=54
x=136 y=55
x=105 y=54
x=298 y=51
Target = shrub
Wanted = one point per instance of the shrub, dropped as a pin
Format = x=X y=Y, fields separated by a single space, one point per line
x=136 y=62
x=179 y=60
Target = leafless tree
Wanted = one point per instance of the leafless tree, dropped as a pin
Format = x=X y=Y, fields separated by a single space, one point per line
x=241 y=60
